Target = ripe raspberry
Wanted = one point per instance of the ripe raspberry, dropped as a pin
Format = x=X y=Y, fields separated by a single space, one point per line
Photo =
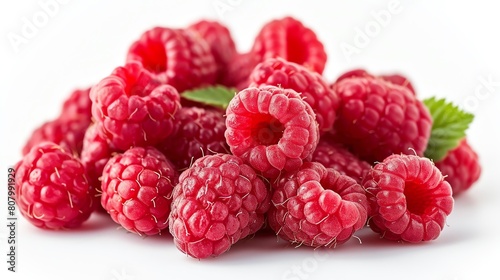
x=396 y=79
x=289 y=39
x=333 y=155
x=180 y=58
x=67 y=133
x=311 y=86
x=198 y=132
x=355 y=73
x=68 y=129
x=239 y=69
x=52 y=191
x=220 y=42
x=317 y=206
x=271 y=128
x=218 y=201
x=95 y=154
x=132 y=109
x=137 y=190
x=377 y=119
x=409 y=198
x=77 y=105
x=461 y=167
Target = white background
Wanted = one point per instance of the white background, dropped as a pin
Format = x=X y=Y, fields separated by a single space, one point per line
x=448 y=49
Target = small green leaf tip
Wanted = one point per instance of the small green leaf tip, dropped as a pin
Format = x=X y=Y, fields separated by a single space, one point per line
x=216 y=96
x=448 y=127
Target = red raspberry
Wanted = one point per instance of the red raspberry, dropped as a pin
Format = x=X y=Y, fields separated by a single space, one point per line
x=218 y=201
x=333 y=155
x=409 y=198
x=396 y=79
x=239 y=69
x=460 y=167
x=137 y=190
x=77 y=105
x=132 y=109
x=68 y=129
x=52 y=191
x=317 y=206
x=95 y=154
x=377 y=119
x=311 y=86
x=220 y=42
x=180 y=58
x=355 y=73
x=289 y=39
x=198 y=132
x=67 y=133
x=271 y=128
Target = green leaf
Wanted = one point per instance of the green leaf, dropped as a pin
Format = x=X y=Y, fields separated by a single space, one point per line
x=217 y=96
x=448 y=127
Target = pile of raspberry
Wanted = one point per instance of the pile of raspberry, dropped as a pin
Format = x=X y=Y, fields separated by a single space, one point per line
x=192 y=138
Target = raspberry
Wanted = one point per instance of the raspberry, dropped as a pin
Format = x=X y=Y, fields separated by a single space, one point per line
x=239 y=69
x=198 y=132
x=409 y=198
x=271 y=128
x=218 y=201
x=68 y=129
x=355 y=73
x=317 y=206
x=395 y=79
x=220 y=42
x=95 y=154
x=398 y=79
x=333 y=155
x=311 y=86
x=180 y=58
x=377 y=119
x=67 y=133
x=137 y=190
x=461 y=167
x=77 y=105
x=289 y=39
x=132 y=109
x=52 y=191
